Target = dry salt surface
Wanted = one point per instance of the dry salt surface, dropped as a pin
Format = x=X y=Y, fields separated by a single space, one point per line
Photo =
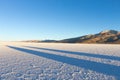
x=59 y=61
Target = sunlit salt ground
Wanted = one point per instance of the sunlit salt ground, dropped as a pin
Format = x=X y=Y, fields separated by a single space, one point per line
x=58 y=61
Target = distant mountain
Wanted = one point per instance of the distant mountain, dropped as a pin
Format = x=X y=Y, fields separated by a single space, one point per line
x=34 y=41
x=38 y=41
x=48 y=41
x=107 y=36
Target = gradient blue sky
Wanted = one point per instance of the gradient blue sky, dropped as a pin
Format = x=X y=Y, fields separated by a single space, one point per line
x=56 y=19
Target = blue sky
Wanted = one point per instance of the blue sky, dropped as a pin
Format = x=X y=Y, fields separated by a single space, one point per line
x=56 y=19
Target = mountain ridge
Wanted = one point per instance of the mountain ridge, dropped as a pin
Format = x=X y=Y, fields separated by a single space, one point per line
x=106 y=36
x=103 y=37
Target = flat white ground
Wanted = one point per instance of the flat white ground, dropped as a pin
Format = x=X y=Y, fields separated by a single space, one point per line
x=58 y=61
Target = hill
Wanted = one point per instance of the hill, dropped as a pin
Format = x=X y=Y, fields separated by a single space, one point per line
x=107 y=36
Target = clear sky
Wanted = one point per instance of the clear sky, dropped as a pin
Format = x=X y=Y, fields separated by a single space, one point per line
x=56 y=19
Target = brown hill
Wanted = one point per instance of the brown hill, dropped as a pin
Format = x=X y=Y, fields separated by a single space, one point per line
x=108 y=36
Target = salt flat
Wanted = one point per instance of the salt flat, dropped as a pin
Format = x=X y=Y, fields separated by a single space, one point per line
x=59 y=61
